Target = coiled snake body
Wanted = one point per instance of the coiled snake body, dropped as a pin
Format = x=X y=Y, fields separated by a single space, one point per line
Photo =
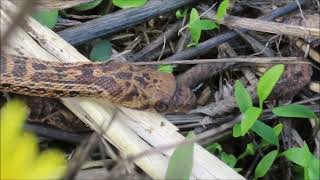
x=123 y=84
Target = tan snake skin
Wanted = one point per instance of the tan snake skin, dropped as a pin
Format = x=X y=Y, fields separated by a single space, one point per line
x=123 y=84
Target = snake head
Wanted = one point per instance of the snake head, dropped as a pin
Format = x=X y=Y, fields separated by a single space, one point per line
x=183 y=100
x=169 y=97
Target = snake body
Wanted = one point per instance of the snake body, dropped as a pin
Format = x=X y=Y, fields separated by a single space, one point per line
x=121 y=83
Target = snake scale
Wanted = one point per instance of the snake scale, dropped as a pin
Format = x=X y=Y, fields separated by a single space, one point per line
x=124 y=84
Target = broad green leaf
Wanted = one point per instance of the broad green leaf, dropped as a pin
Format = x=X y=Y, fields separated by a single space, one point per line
x=194 y=16
x=278 y=129
x=165 y=68
x=124 y=4
x=268 y=81
x=243 y=97
x=101 y=51
x=249 y=118
x=294 y=110
x=229 y=159
x=300 y=156
x=265 y=164
x=180 y=164
x=236 y=130
x=195 y=34
x=87 y=6
x=194 y=29
x=266 y=132
x=47 y=18
x=222 y=9
x=205 y=24
x=214 y=148
x=313 y=170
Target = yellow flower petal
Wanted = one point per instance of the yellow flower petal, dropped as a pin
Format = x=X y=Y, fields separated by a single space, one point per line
x=19 y=162
x=51 y=164
x=12 y=117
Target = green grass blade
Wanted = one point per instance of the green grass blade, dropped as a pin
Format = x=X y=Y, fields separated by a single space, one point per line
x=243 y=97
x=181 y=161
x=294 y=110
x=249 y=118
x=266 y=132
x=265 y=164
x=268 y=81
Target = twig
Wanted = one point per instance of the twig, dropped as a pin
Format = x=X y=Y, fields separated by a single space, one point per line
x=254 y=60
x=147 y=50
x=120 y=20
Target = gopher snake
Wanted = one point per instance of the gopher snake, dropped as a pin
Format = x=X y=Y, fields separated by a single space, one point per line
x=123 y=84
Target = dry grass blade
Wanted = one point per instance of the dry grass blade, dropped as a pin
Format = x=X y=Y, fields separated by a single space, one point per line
x=55 y=4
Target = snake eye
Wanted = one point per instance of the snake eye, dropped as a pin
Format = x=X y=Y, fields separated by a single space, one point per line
x=161 y=106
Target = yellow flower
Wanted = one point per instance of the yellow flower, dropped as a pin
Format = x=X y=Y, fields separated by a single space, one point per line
x=20 y=156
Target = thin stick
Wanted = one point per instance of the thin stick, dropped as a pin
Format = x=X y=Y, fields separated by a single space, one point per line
x=254 y=60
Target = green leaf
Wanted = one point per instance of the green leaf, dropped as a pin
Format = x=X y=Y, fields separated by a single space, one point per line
x=101 y=51
x=214 y=148
x=294 y=110
x=87 y=6
x=180 y=164
x=236 y=130
x=205 y=24
x=266 y=132
x=124 y=4
x=165 y=68
x=300 y=156
x=195 y=34
x=265 y=164
x=243 y=97
x=313 y=170
x=278 y=129
x=229 y=159
x=268 y=81
x=222 y=9
x=249 y=118
x=194 y=30
x=47 y=18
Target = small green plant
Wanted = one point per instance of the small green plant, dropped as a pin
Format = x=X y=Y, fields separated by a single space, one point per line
x=229 y=159
x=181 y=13
x=181 y=161
x=20 y=156
x=47 y=18
x=222 y=10
x=124 y=4
x=196 y=25
x=269 y=135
